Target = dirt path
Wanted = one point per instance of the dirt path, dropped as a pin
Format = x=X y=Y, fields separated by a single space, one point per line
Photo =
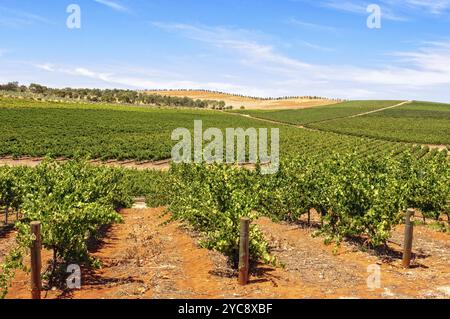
x=433 y=146
x=131 y=164
x=143 y=258
x=163 y=165
x=273 y=121
x=344 y=273
x=381 y=110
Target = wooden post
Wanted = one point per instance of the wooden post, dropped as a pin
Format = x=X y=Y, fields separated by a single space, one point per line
x=36 y=264
x=244 y=251
x=407 y=245
x=309 y=217
x=6 y=215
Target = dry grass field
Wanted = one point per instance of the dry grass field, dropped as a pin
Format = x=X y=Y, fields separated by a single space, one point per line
x=249 y=103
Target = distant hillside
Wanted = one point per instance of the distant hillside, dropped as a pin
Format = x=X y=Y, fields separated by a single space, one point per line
x=247 y=101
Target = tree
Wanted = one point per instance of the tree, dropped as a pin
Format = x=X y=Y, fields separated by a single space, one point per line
x=11 y=86
x=37 y=88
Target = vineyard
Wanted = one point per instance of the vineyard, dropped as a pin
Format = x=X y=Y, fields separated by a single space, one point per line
x=418 y=122
x=345 y=188
x=320 y=113
x=354 y=197
x=138 y=133
x=101 y=131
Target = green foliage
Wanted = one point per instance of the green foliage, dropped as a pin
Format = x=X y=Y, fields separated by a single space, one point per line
x=299 y=185
x=428 y=181
x=149 y=183
x=213 y=199
x=357 y=196
x=365 y=198
x=6 y=187
x=12 y=262
x=13 y=183
x=71 y=200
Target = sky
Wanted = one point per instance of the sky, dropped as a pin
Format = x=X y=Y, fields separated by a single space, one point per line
x=252 y=47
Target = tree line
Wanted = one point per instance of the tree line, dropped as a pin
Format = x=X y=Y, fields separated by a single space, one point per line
x=109 y=96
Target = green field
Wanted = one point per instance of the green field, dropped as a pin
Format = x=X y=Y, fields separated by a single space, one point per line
x=319 y=113
x=31 y=128
x=102 y=131
x=419 y=122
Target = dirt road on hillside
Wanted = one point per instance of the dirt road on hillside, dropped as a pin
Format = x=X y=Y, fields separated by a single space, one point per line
x=381 y=110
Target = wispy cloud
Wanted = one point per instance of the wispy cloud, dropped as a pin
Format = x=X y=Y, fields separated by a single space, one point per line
x=395 y=10
x=316 y=46
x=16 y=18
x=235 y=40
x=113 y=5
x=433 y=6
x=131 y=80
x=361 y=8
x=431 y=57
x=248 y=63
x=46 y=67
x=309 y=25
x=425 y=68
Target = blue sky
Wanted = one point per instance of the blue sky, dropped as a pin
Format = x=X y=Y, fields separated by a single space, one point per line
x=252 y=47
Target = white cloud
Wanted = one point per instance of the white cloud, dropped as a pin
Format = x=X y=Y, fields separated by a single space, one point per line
x=128 y=80
x=315 y=46
x=432 y=57
x=247 y=64
x=309 y=25
x=424 y=68
x=16 y=18
x=429 y=64
x=235 y=40
x=396 y=10
x=113 y=5
x=361 y=8
x=46 y=67
x=433 y=6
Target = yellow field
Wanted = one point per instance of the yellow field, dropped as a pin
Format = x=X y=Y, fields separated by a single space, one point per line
x=248 y=102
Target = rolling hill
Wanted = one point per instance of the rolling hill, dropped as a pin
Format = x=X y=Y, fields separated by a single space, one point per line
x=251 y=103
